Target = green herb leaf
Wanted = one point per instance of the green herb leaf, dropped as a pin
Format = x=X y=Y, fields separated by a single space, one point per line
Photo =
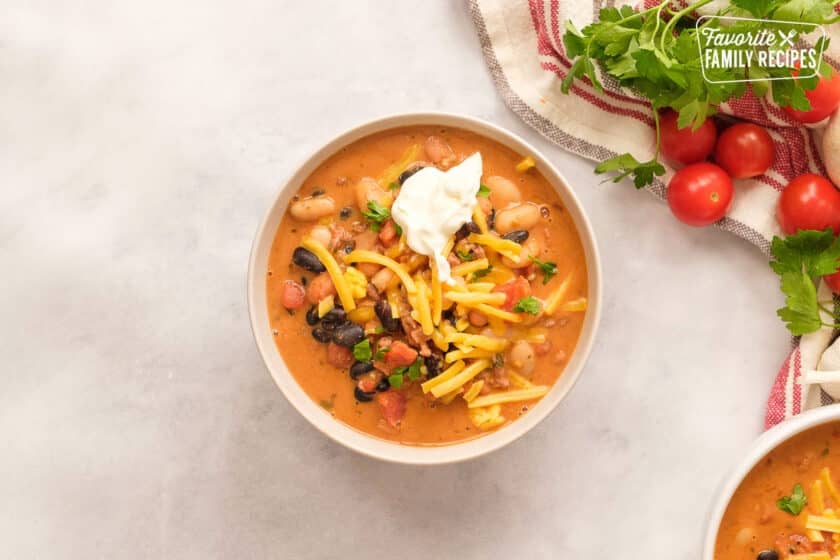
x=529 y=304
x=376 y=215
x=800 y=260
x=380 y=354
x=392 y=186
x=481 y=273
x=483 y=190
x=362 y=351
x=395 y=380
x=794 y=503
x=414 y=372
x=642 y=172
x=465 y=255
x=549 y=269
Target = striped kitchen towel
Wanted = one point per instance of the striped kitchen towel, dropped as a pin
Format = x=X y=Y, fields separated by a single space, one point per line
x=522 y=45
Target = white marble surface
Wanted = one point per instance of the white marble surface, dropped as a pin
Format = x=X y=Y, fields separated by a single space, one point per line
x=141 y=143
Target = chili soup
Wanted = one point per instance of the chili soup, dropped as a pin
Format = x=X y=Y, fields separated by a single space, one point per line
x=788 y=506
x=426 y=285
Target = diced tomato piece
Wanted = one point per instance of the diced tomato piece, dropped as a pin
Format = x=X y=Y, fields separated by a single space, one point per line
x=514 y=291
x=292 y=295
x=388 y=233
x=794 y=543
x=392 y=405
x=320 y=287
x=339 y=356
x=367 y=384
x=400 y=355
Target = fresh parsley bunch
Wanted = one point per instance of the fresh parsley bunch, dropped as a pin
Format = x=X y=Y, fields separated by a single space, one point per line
x=655 y=52
x=800 y=260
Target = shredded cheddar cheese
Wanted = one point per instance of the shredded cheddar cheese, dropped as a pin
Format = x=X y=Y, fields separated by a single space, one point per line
x=526 y=164
x=822 y=523
x=445 y=375
x=356 y=281
x=461 y=378
x=473 y=298
x=422 y=306
x=359 y=255
x=578 y=304
x=528 y=394
x=437 y=294
x=486 y=418
x=474 y=390
x=329 y=262
x=478 y=341
x=501 y=314
x=479 y=219
x=392 y=172
x=326 y=305
x=505 y=247
x=456 y=355
x=556 y=297
x=469 y=267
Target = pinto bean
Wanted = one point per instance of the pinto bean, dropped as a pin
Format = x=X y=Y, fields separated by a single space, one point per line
x=310 y=209
x=522 y=357
x=503 y=192
x=368 y=189
x=521 y=216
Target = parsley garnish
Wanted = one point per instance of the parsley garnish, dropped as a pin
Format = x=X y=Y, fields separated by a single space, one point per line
x=529 y=304
x=660 y=59
x=800 y=260
x=380 y=354
x=794 y=503
x=392 y=186
x=414 y=369
x=376 y=215
x=395 y=380
x=465 y=255
x=362 y=351
x=549 y=268
x=483 y=190
x=481 y=273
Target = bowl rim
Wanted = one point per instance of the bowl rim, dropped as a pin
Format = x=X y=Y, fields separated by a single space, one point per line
x=764 y=444
x=364 y=443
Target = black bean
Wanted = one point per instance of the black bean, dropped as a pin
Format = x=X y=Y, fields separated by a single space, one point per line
x=333 y=319
x=768 y=555
x=449 y=315
x=466 y=229
x=345 y=213
x=348 y=334
x=383 y=385
x=312 y=316
x=306 y=259
x=432 y=365
x=408 y=173
x=362 y=396
x=360 y=368
x=517 y=236
x=383 y=311
x=321 y=335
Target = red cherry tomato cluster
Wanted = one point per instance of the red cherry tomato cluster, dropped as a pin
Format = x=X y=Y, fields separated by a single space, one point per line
x=700 y=193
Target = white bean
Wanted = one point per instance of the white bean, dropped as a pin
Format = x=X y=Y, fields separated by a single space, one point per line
x=439 y=151
x=503 y=192
x=321 y=234
x=368 y=189
x=521 y=216
x=310 y=209
x=381 y=279
x=522 y=357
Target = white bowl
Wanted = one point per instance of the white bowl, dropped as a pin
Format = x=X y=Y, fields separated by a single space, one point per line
x=370 y=445
x=766 y=443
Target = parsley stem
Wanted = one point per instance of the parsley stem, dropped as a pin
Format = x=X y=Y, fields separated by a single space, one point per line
x=673 y=21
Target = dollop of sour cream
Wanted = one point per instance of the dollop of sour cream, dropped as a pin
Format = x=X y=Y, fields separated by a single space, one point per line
x=434 y=204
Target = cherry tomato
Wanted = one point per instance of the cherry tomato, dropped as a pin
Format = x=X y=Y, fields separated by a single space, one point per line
x=684 y=145
x=744 y=150
x=833 y=281
x=700 y=194
x=825 y=98
x=809 y=202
